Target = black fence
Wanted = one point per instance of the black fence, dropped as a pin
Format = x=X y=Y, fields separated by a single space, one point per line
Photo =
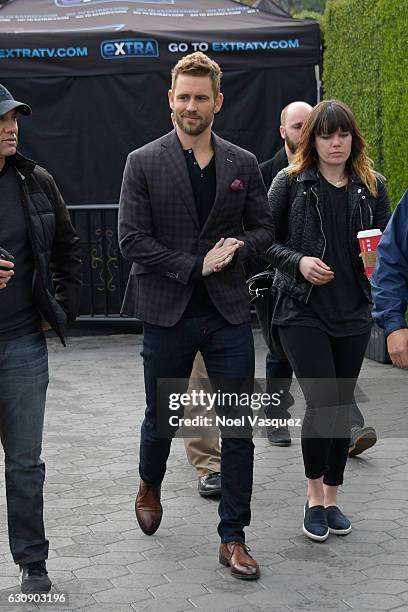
x=105 y=272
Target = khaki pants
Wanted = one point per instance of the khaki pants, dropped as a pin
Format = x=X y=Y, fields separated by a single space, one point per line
x=203 y=453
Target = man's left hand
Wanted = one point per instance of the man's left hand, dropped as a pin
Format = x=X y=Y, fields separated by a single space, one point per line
x=45 y=326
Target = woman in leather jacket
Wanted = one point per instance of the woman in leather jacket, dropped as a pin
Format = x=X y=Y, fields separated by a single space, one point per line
x=322 y=306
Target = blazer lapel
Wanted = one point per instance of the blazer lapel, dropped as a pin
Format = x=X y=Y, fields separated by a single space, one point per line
x=173 y=157
x=225 y=172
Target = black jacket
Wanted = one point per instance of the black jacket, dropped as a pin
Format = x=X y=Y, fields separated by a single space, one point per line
x=298 y=220
x=270 y=168
x=55 y=245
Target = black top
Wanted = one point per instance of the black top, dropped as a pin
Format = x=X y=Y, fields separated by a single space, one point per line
x=18 y=315
x=270 y=168
x=203 y=183
x=338 y=307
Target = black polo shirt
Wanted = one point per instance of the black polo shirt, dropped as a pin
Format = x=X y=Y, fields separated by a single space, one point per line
x=204 y=185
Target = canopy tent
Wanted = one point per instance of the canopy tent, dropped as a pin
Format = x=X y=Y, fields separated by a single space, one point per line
x=96 y=73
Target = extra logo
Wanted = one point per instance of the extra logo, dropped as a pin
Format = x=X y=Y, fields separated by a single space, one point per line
x=129 y=48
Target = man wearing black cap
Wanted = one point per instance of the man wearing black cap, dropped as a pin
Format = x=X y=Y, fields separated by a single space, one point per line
x=40 y=277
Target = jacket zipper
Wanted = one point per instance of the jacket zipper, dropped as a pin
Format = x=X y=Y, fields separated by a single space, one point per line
x=361 y=215
x=363 y=197
x=324 y=237
x=371 y=214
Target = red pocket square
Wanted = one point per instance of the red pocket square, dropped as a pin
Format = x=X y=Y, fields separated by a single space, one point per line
x=236 y=185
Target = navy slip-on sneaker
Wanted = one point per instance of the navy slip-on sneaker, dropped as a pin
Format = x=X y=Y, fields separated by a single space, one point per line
x=338 y=523
x=315 y=524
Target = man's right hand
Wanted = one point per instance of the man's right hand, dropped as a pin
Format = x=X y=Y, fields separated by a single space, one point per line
x=315 y=270
x=219 y=256
x=397 y=343
x=5 y=275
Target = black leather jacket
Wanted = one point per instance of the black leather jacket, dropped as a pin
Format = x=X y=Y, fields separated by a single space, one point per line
x=298 y=219
x=55 y=245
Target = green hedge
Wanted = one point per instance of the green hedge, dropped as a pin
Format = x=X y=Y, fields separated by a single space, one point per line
x=365 y=65
x=306 y=14
x=394 y=93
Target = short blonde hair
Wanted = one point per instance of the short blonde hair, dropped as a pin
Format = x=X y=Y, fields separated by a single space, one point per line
x=198 y=64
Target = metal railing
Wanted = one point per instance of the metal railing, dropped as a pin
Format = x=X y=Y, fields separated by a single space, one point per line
x=105 y=271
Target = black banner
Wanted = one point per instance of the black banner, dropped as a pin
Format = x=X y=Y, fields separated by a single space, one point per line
x=96 y=37
x=82 y=129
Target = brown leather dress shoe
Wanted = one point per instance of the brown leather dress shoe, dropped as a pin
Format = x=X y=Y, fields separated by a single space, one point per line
x=236 y=556
x=148 y=508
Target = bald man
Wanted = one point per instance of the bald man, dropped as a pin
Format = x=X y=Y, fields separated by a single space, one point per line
x=292 y=119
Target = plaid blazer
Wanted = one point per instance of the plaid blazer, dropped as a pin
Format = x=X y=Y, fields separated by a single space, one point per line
x=159 y=229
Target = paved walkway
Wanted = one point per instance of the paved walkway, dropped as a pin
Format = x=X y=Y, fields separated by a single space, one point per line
x=101 y=560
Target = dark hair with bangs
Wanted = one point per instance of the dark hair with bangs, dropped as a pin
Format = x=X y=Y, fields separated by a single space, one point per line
x=333 y=118
x=328 y=117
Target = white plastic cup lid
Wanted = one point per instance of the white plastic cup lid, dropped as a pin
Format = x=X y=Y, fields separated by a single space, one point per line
x=369 y=233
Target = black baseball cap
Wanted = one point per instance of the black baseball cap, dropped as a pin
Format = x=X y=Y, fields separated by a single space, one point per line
x=8 y=103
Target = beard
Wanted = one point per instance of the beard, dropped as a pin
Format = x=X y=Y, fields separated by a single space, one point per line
x=194 y=129
x=292 y=146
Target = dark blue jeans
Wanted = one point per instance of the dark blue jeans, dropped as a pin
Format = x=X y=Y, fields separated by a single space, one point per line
x=228 y=352
x=279 y=377
x=23 y=386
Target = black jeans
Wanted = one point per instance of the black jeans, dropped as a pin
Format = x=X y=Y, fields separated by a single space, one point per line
x=279 y=377
x=228 y=352
x=327 y=368
x=23 y=387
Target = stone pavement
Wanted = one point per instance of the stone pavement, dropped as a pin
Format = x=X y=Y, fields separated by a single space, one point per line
x=101 y=560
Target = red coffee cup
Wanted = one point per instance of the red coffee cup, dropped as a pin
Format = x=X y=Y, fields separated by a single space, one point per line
x=369 y=240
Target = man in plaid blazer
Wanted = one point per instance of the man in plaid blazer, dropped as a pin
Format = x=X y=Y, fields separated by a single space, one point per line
x=193 y=208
